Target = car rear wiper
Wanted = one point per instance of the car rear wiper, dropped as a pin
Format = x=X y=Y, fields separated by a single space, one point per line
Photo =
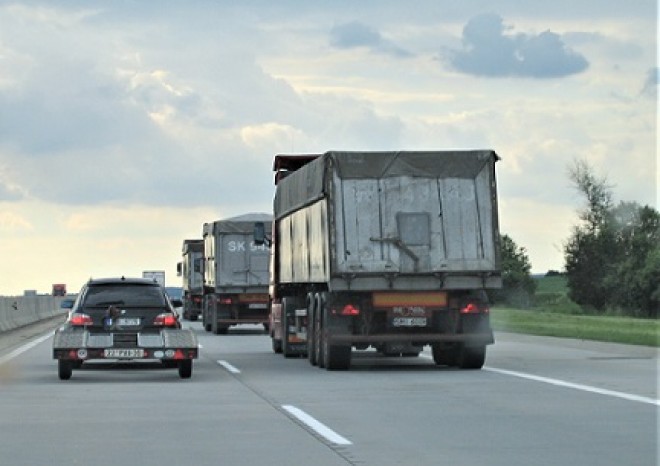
x=106 y=303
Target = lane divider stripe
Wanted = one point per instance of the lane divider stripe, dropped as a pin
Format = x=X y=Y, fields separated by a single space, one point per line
x=229 y=367
x=316 y=426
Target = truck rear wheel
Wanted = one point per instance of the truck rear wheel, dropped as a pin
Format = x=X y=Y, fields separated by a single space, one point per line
x=335 y=357
x=287 y=303
x=311 y=325
x=444 y=355
x=277 y=345
x=471 y=357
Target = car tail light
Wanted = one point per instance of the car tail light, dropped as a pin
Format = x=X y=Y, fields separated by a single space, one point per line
x=80 y=320
x=225 y=301
x=166 y=320
x=350 y=310
x=475 y=308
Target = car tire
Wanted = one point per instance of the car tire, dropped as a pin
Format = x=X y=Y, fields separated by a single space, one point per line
x=64 y=369
x=185 y=368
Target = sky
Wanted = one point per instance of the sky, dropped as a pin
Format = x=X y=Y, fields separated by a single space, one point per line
x=126 y=125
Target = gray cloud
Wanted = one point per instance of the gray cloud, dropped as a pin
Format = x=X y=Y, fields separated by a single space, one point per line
x=490 y=51
x=650 y=88
x=356 y=34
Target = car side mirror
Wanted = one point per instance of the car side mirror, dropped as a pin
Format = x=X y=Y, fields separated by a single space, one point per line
x=260 y=236
x=176 y=302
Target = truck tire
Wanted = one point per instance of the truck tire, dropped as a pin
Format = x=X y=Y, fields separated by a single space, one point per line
x=471 y=357
x=286 y=304
x=311 y=324
x=335 y=357
x=185 y=368
x=443 y=355
x=64 y=369
x=277 y=345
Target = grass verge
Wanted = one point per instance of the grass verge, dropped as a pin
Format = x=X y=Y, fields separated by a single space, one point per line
x=625 y=330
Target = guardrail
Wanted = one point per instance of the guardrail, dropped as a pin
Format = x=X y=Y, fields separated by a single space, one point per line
x=18 y=311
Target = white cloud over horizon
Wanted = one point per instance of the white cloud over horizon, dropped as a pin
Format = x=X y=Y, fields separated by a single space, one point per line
x=123 y=119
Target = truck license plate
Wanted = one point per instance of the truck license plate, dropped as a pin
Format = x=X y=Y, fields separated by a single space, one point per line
x=124 y=353
x=409 y=322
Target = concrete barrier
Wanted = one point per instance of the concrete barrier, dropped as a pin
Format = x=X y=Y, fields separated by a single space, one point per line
x=18 y=311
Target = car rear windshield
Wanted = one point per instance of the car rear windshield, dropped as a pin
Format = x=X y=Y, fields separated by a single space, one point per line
x=124 y=295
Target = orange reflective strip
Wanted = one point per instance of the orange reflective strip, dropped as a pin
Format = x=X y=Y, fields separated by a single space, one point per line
x=424 y=299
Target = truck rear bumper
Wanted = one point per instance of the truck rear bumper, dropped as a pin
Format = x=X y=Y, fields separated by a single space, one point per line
x=473 y=339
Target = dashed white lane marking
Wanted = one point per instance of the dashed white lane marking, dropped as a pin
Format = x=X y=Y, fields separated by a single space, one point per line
x=24 y=348
x=316 y=426
x=565 y=384
x=576 y=386
x=229 y=367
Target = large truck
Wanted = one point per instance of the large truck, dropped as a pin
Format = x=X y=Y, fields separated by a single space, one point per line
x=389 y=250
x=59 y=289
x=191 y=271
x=235 y=273
x=156 y=275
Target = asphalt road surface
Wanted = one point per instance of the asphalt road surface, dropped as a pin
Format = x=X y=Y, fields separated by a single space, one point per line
x=539 y=401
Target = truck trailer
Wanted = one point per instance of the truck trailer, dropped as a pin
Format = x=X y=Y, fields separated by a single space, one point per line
x=235 y=273
x=388 y=250
x=192 y=273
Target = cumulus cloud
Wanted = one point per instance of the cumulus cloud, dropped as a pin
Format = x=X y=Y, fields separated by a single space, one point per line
x=356 y=34
x=490 y=49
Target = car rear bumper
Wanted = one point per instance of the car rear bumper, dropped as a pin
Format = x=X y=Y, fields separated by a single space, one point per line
x=169 y=344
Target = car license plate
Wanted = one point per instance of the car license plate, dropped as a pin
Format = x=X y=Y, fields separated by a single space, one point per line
x=128 y=322
x=409 y=322
x=124 y=353
x=257 y=306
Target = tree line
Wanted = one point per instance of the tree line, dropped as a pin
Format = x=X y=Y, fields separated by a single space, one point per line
x=611 y=258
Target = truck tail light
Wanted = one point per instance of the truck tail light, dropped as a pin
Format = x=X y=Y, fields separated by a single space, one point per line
x=166 y=320
x=475 y=308
x=350 y=310
x=80 y=320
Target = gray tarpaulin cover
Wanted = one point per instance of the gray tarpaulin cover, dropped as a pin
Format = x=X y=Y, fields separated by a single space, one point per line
x=240 y=224
x=308 y=183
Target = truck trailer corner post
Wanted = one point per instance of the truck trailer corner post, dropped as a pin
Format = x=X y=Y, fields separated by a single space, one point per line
x=389 y=250
x=192 y=274
x=236 y=273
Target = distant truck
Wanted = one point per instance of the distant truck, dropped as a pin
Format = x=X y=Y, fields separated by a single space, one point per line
x=191 y=270
x=156 y=275
x=235 y=274
x=59 y=289
x=390 y=250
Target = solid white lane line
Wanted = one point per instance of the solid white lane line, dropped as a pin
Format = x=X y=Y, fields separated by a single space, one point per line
x=229 y=367
x=563 y=383
x=24 y=348
x=576 y=386
x=316 y=426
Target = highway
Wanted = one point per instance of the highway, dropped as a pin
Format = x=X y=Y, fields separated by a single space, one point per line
x=539 y=401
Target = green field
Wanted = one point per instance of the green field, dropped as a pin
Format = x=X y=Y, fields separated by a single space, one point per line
x=554 y=314
x=626 y=330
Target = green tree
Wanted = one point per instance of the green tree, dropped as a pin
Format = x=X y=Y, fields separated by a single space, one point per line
x=612 y=257
x=588 y=252
x=517 y=284
x=635 y=280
